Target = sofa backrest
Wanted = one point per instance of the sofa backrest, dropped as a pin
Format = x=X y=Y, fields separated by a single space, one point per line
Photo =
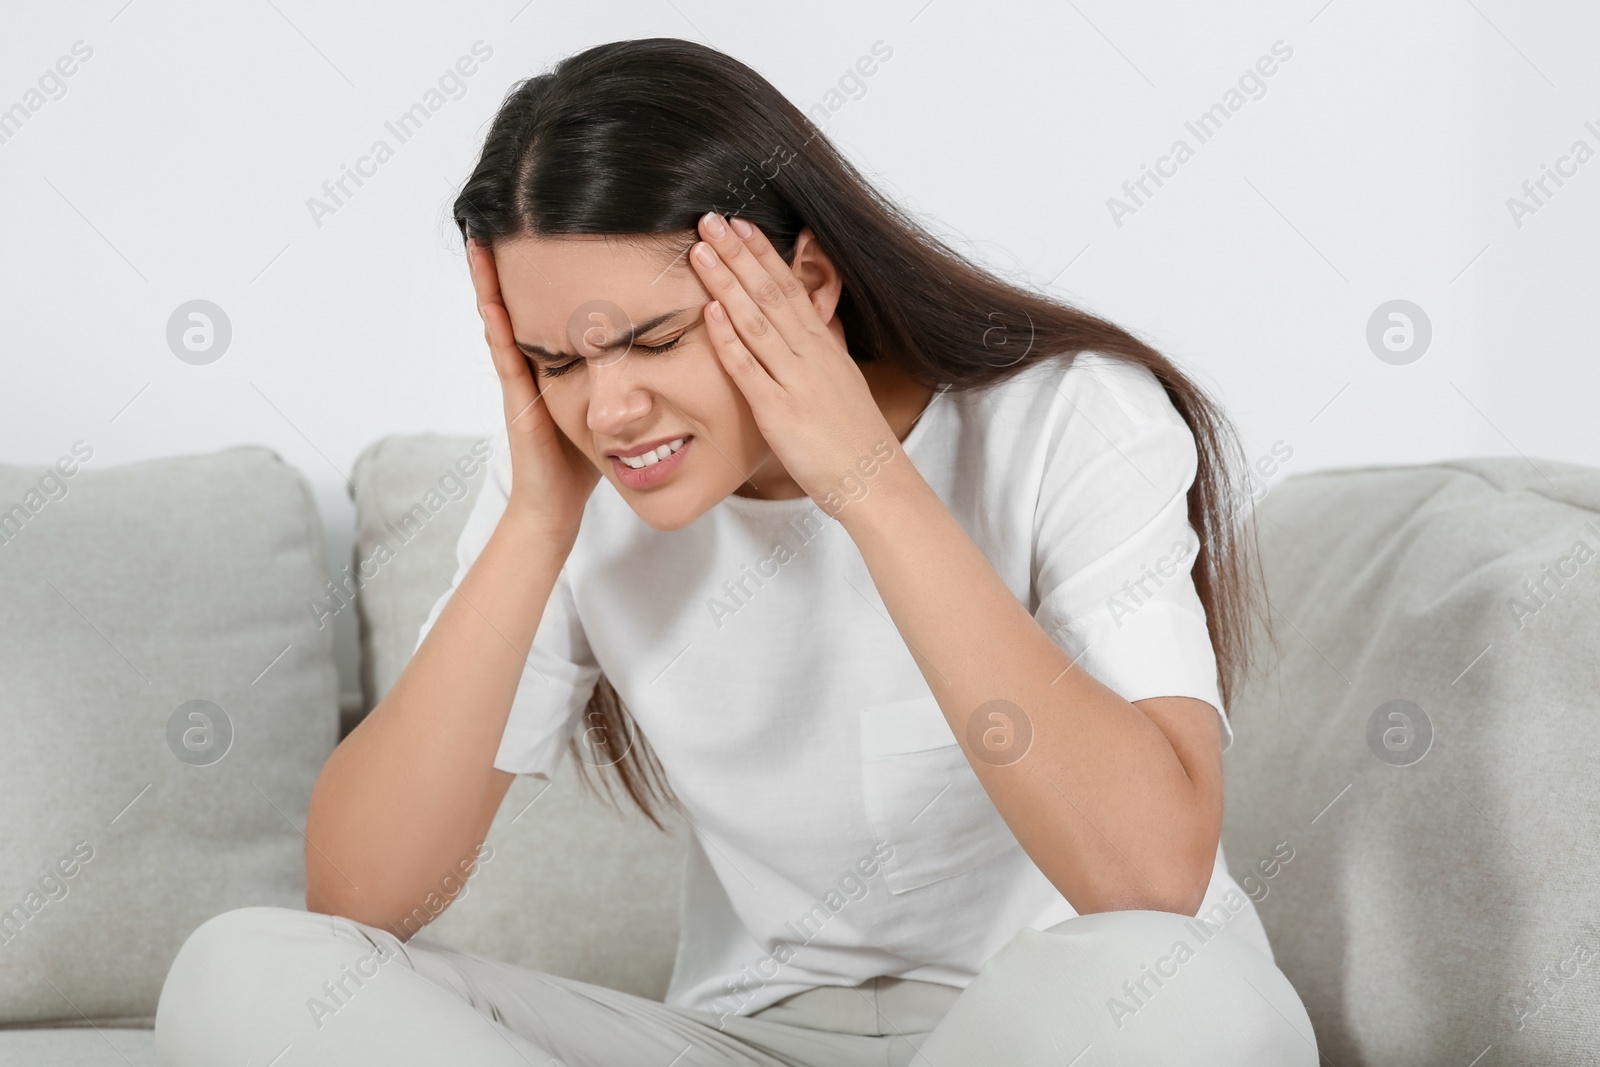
x=167 y=699
x=572 y=886
x=1421 y=747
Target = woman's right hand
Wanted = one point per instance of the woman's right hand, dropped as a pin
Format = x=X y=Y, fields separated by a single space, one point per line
x=551 y=480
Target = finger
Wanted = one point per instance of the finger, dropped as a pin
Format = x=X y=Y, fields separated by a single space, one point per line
x=774 y=295
x=758 y=334
x=742 y=366
x=517 y=380
x=777 y=292
x=491 y=309
x=485 y=278
x=794 y=290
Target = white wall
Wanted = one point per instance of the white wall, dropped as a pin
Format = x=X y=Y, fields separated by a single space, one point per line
x=178 y=163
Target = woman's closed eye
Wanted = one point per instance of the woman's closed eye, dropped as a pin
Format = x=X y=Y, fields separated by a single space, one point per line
x=654 y=350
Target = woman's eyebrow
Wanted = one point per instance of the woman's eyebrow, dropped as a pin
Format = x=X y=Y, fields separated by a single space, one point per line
x=635 y=330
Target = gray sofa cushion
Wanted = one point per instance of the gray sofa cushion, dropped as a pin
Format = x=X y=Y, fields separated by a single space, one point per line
x=125 y=594
x=1430 y=908
x=80 y=1047
x=571 y=887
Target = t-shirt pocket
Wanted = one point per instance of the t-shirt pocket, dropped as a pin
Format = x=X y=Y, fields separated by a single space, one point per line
x=922 y=796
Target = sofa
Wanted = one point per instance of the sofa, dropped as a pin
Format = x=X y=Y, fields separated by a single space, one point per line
x=1411 y=796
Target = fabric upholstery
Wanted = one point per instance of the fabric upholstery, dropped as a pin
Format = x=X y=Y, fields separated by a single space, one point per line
x=1425 y=901
x=78 y=1047
x=132 y=592
x=1428 y=911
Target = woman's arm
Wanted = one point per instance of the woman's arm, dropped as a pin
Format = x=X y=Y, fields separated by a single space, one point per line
x=408 y=797
x=1119 y=804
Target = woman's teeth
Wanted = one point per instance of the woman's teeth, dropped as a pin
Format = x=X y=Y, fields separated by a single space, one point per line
x=650 y=459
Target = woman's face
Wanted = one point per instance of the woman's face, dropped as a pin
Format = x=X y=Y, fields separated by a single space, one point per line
x=569 y=297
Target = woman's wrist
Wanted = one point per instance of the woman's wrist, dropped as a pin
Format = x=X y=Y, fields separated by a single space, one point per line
x=529 y=527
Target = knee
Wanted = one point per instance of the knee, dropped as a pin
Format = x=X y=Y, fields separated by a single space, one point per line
x=243 y=974
x=226 y=945
x=198 y=982
x=223 y=933
x=212 y=949
x=1156 y=987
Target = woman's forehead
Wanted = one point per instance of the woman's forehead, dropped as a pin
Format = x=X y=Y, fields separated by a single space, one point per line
x=628 y=271
x=609 y=254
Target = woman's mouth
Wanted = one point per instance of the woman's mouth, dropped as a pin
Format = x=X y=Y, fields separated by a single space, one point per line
x=654 y=467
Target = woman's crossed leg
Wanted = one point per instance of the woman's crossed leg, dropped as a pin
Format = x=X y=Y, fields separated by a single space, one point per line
x=289 y=988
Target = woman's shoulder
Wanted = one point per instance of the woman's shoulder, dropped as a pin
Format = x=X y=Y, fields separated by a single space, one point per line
x=1087 y=386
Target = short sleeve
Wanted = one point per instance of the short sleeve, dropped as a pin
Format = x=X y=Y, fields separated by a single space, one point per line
x=1114 y=551
x=560 y=672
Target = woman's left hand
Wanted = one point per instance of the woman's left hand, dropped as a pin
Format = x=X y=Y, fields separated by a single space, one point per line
x=809 y=398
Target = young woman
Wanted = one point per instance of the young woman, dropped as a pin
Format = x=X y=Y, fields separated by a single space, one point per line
x=917 y=593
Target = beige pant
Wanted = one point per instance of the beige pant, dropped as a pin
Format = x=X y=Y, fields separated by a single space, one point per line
x=265 y=985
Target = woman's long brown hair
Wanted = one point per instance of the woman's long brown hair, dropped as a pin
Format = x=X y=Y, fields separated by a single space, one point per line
x=643 y=137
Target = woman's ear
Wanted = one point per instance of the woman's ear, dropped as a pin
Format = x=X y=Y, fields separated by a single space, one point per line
x=817 y=273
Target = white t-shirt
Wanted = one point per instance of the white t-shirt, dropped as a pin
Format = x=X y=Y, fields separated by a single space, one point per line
x=839 y=830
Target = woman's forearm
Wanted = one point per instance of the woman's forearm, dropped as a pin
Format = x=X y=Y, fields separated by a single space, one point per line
x=412 y=790
x=1103 y=803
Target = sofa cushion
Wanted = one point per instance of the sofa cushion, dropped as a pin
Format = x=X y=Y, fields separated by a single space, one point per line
x=568 y=885
x=78 y=1047
x=168 y=702
x=1412 y=797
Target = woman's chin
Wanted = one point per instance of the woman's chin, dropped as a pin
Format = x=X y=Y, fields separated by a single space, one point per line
x=661 y=513
x=668 y=527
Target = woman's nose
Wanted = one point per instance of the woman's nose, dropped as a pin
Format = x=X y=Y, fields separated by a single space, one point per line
x=615 y=399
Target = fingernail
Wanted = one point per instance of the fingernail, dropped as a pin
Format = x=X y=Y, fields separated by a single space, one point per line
x=703 y=253
x=714 y=224
x=741 y=227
